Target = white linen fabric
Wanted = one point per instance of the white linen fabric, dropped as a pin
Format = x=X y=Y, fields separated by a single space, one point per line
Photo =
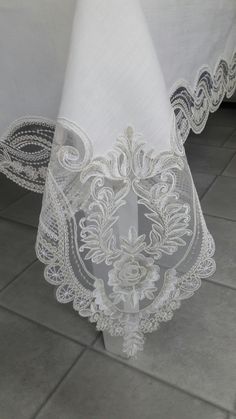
x=121 y=229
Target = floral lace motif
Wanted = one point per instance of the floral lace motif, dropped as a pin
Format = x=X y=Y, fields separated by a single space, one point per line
x=126 y=283
x=126 y=271
x=26 y=147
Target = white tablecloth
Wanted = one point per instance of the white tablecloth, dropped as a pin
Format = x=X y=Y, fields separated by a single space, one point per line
x=121 y=229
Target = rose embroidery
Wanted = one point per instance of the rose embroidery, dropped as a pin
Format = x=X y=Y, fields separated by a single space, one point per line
x=133 y=279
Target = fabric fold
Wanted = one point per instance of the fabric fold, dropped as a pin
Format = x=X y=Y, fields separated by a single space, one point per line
x=121 y=230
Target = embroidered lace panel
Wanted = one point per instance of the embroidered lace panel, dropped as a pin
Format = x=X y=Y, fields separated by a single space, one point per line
x=122 y=235
x=25 y=148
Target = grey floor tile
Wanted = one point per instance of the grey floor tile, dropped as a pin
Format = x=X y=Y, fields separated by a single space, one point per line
x=9 y=192
x=224 y=233
x=202 y=182
x=204 y=159
x=100 y=388
x=196 y=349
x=16 y=249
x=220 y=200
x=25 y=210
x=33 y=361
x=231 y=141
x=231 y=168
x=211 y=135
x=30 y=293
x=224 y=116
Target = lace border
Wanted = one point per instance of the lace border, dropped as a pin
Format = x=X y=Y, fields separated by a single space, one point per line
x=191 y=107
x=25 y=151
x=135 y=269
x=28 y=167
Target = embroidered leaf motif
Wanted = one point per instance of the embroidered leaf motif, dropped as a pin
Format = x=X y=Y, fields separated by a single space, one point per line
x=133 y=294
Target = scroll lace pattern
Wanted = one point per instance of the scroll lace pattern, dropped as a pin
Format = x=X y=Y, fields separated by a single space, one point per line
x=25 y=151
x=127 y=273
x=193 y=105
x=127 y=281
x=26 y=147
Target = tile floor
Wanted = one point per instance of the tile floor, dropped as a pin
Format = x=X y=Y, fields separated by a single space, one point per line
x=53 y=363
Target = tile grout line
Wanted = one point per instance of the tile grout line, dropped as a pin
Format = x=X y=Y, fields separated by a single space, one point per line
x=230 y=160
x=229 y=176
x=228 y=138
x=159 y=379
x=107 y=354
x=49 y=329
x=210 y=281
x=203 y=144
x=110 y=356
x=17 y=275
x=208 y=187
x=216 y=176
x=13 y=203
x=220 y=218
x=221 y=147
x=58 y=384
x=131 y=367
x=30 y=226
x=53 y=391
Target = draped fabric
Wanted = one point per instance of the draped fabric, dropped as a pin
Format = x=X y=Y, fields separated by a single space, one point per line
x=121 y=230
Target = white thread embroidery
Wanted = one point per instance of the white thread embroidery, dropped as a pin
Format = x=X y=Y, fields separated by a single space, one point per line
x=25 y=152
x=193 y=105
x=120 y=281
x=126 y=283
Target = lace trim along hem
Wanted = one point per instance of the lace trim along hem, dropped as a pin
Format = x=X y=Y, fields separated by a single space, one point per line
x=193 y=105
x=124 y=279
x=26 y=146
